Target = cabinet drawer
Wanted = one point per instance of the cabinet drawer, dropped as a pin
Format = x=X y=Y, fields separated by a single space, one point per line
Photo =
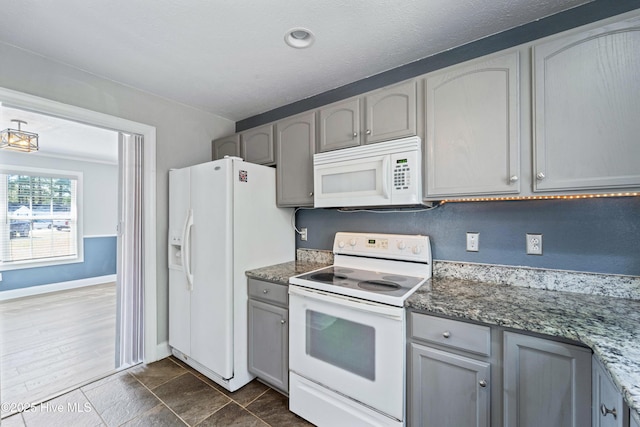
x=451 y=333
x=267 y=291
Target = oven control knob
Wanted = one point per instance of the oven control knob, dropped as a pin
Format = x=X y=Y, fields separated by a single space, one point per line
x=341 y=244
x=352 y=242
x=416 y=250
x=402 y=245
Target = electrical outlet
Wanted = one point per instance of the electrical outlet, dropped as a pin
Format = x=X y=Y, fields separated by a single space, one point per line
x=303 y=233
x=534 y=244
x=473 y=242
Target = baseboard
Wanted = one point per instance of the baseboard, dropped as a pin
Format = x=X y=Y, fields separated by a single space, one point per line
x=163 y=350
x=55 y=287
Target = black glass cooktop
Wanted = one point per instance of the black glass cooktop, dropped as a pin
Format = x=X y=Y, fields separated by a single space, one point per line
x=363 y=280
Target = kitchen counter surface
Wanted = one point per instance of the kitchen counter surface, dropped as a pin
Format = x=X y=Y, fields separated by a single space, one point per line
x=609 y=326
x=280 y=273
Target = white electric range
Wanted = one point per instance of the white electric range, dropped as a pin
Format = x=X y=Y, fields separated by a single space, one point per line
x=347 y=330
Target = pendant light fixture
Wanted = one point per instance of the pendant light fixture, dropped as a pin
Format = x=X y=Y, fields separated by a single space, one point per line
x=19 y=140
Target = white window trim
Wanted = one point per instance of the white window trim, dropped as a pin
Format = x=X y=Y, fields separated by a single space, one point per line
x=152 y=349
x=46 y=262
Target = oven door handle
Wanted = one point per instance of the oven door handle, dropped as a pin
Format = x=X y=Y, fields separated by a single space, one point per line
x=395 y=313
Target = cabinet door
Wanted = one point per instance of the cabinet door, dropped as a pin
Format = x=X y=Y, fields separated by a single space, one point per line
x=295 y=145
x=546 y=383
x=391 y=113
x=257 y=145
x=269 y=343
x=473 y=134
x=607 y=405
x=447 y=389
x=587 y=107
x=340 y=125
x=227 y=146
x=633 y=422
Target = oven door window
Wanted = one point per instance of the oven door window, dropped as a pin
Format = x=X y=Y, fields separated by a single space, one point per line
x=342 y=343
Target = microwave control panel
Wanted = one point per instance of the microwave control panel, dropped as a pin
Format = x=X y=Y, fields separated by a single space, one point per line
x=401 y=173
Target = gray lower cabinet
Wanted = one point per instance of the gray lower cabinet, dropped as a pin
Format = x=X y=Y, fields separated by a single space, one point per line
x=450 y=380
x=256 y=145
x=448 y=389
x=227 y=146
x=295 y=146
x=607 y=404
x=546 y=383
x=269 y=333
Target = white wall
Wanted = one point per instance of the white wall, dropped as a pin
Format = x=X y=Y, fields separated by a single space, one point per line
x=100 y=188
x=183 y=134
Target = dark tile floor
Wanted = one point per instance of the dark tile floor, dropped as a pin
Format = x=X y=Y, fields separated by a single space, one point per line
x=163 y=393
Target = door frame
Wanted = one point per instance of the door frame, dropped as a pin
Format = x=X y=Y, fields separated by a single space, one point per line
x=42 y=105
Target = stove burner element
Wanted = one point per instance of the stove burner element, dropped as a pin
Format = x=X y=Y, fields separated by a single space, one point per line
x=342 y=270
x=327 y=277
x=378 y=285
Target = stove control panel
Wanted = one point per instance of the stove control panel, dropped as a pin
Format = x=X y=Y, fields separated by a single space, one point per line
x=407 y=247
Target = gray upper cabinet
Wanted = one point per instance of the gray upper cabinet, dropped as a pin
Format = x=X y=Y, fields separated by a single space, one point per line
x=546 y=383
x=381 y=115
x=607 y=404
x=257 y=145
x=633 y=421
x=295 y=145
x=339 y=125
x=472 y=129
x=587 y=105
x=390 y=113
x=227 y=146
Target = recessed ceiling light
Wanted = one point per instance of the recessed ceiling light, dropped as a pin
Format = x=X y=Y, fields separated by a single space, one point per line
x=299 y=38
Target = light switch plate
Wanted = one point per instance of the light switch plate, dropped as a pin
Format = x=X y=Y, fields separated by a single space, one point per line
x=473 y=242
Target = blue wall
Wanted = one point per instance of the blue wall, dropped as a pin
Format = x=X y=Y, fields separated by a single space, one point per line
x=594 y=235
x=99 y=260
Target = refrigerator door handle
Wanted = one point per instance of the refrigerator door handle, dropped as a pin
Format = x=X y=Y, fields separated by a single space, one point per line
x=186 y=249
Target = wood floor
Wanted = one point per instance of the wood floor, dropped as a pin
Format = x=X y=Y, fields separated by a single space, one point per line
x=53 y=342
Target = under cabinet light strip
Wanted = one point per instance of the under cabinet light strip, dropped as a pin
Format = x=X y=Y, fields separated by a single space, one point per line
x=566 y=197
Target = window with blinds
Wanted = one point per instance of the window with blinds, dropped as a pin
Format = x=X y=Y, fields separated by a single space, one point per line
x=39 y=216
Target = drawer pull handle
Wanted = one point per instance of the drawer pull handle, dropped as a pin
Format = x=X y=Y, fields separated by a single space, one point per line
x=483 y=383
x=605 y=411
x=446 y=334
x=265 y=291
x=283 y=321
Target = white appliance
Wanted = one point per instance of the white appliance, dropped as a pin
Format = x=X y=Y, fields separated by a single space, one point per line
x=222 y=221
x=347 y=330
x=382 y=174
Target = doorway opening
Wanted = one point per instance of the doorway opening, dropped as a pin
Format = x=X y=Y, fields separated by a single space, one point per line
x=119 y=329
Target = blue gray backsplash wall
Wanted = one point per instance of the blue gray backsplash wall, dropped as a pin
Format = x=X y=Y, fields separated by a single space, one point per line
x=593 y=235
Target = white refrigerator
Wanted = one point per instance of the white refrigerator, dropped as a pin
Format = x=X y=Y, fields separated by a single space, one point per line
x=223 y=220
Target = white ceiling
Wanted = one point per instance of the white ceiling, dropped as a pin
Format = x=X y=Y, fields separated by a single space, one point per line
x=63 y=138
x=228 y=57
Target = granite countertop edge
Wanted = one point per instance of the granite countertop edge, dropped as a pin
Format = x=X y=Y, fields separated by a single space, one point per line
x=609 y=326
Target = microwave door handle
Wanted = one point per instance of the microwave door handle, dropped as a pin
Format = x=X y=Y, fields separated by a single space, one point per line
x=385 y=176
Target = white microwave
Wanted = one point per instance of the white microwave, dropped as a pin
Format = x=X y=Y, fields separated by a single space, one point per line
x=383 y=174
